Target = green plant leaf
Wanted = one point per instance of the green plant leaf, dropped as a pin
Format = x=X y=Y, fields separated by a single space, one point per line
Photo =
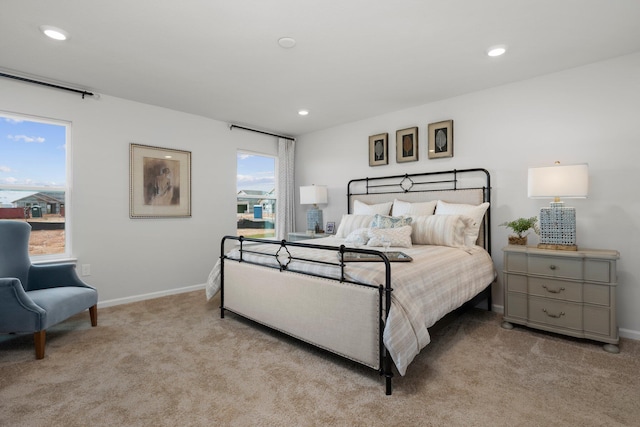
x=521 y=225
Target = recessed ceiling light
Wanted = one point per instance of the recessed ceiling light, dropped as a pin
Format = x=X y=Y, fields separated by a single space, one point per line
x=303 y=112
x=286 y=42
x=54 y=32
x=497 y=50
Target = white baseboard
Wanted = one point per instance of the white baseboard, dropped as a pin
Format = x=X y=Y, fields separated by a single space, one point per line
x=152 y=295
x=629 y=333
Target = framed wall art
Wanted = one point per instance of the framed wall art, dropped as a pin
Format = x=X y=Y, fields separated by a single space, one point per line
x=159 y=182
x=379 y=149
x=407 y=145
x=440 y=139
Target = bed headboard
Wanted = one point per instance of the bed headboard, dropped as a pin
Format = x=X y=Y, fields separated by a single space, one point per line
x=471 y=186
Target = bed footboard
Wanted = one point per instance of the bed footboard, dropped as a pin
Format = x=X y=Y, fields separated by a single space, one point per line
x=341 y=316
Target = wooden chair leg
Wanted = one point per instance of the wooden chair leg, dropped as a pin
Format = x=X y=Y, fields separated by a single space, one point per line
x=93 y=313
x=39 y=339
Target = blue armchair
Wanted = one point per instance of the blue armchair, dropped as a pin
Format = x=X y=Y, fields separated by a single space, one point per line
x=35 y=297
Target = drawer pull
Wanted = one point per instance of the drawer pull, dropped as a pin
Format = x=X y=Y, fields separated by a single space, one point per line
x=552 y=267
x=555 y=316
x=553 y=291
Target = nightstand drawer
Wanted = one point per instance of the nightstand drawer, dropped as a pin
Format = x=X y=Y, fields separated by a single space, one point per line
x=598 y=271
x=516 y=306
x=516 y=283
x=567 y=268
x=515 y=262
x=597 y=320
x=555 y=313
x=555 y=289
x=597 y=294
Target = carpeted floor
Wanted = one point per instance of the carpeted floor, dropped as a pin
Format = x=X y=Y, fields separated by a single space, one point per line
x=173 y=362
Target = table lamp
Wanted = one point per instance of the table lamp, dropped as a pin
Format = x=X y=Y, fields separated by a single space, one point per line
x=558 y=222
x=313 y=195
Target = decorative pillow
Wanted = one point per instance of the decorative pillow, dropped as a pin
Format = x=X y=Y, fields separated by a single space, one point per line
x=441 y=230
x=475 y=212
x=361 y=235
x=384 y=221
x=399 y=237
x=406 y=208
x=360 y=208
x=350 y=223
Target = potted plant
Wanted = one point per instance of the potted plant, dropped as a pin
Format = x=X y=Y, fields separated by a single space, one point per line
x=519 y=227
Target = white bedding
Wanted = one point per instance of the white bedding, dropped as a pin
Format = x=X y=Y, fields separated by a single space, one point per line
x=437 y=281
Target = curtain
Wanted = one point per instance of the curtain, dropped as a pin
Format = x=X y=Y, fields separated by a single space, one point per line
x=285 y=206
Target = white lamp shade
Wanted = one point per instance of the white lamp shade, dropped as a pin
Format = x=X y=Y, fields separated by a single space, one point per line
x=571 y=181
x=313 y=195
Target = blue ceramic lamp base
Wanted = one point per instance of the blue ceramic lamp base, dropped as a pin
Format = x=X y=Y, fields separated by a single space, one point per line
x=314 y=220
x=558 y=227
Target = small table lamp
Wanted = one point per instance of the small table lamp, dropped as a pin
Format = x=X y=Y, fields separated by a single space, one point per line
x=313 y=195
x=557 y=222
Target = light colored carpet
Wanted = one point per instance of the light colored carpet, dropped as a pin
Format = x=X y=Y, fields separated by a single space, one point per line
x=173 y=362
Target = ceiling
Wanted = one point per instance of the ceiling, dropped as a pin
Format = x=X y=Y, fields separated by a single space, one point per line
x=353 y=59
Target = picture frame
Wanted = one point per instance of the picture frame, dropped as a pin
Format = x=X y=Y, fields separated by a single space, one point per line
x=159 y=182
x=379 y=149
x=407 y=145
x=331 y=228
x=440 y=139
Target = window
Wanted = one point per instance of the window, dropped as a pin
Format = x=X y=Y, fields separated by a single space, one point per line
x=33 y=179
x=256 y=189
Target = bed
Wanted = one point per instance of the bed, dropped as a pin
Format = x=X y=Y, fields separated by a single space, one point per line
x=410 y=249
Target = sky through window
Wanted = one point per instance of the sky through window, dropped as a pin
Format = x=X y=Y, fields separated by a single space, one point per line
x=32 y=153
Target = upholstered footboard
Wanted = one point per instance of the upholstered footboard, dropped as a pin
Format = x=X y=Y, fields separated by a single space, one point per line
x=344 y=318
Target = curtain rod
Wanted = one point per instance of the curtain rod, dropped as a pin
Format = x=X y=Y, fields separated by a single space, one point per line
x=24 y=79
x=260 y=131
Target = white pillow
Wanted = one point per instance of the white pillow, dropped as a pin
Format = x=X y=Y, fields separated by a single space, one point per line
x=399 y=237
x=441 y=230
x=361 y=235
x=350 y=223
x=475 y=212
x=360 y=208
x=406 y=208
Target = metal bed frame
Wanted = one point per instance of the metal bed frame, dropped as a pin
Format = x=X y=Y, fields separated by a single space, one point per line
x=283 y=258
x=430 y=182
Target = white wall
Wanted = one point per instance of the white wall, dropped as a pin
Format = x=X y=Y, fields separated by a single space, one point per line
x=131 y=258
x=588 y=114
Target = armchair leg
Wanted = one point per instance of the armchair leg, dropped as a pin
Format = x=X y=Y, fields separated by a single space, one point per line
x=93 y=313
x=39 y=340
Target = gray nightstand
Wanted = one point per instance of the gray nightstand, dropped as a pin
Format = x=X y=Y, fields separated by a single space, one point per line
x=567 y=292
x=302 y=235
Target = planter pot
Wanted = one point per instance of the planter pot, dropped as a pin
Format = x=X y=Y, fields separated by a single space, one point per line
x=515 y=240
